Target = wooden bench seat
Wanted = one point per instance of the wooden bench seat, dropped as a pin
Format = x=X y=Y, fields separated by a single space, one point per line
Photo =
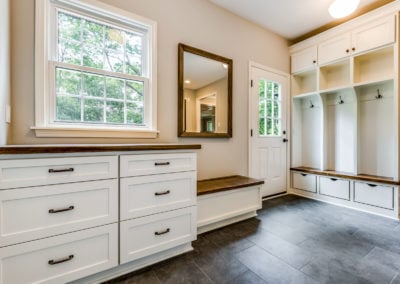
x=226 y=200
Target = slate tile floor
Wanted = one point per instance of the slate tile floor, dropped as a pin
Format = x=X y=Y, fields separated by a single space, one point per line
x=293 y=240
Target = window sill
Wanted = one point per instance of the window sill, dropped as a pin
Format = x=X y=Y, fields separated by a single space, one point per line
x=86 y=132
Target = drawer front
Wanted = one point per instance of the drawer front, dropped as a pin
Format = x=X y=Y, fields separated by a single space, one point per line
x=373 y=194
x=33 y=172
x=33 y=213
x=334 y=187
x=139 y=165
x=148 y=235
x=147 y=195
x=305 y=182
x=60 y=259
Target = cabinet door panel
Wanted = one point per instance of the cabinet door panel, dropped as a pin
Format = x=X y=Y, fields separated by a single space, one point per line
x=373 y=35
x=305 y=59
x=334 y=48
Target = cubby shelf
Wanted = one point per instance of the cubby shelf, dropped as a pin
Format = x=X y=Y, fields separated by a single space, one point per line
x=344 y=115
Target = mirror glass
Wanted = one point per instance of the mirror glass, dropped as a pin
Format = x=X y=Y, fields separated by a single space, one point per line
x=205 y=94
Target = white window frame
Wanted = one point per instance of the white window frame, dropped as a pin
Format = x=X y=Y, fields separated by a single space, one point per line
x=45 y=59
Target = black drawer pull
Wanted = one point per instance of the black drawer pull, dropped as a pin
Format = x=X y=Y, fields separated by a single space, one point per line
x=333 y=179
x=162 y=193
x=162 y=164
x=304 y=175
x=372 y=185
x=53 y=211
x=61 y=170
x=61 y=260
x=162 y=232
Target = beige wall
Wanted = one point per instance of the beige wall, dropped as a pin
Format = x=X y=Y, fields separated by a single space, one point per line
x=4 y=69
x=194 y=22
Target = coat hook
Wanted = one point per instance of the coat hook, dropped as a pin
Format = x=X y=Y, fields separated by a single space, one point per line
x=311 y=104
x=379 y=96
x=340 y=101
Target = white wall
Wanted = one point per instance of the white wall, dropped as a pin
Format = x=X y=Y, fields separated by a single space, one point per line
x=4 y=69
x=198 y=23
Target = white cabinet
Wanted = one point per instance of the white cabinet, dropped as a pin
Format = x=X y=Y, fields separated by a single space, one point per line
x=60 y=259
x=334 y=187
x=152 y=234
x=158 y=205
x=334 y=48
x=374 y=194
x=304 y=59
x=38 y=212
x=305 y=182
x=147 y=195
x=33 y=172
x=373 y=35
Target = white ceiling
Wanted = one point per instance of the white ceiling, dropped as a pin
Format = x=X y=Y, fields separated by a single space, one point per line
x=288 y=18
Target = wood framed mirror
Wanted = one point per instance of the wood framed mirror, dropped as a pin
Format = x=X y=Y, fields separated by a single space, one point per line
x=204 y=93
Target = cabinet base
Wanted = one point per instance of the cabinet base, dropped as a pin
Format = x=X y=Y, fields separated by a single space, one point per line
x=392 y=214
x=134 y=265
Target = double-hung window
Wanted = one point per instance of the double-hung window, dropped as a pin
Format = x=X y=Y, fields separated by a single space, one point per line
x=95 y=71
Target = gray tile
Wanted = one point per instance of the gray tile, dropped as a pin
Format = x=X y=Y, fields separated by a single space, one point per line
x=396 y=280
x=143 y=278
x=384 y=257
x=178 y=271
x=328 y=269
x=271 y=268
x=219 y=268
x=286 y=251
x=247 y=278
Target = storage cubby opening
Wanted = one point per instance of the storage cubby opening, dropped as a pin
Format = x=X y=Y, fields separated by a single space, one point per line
x=340 y=127
x=307 y=132
x=376 y=129
x=374 y=66
x=304 y=82
x=335 y=75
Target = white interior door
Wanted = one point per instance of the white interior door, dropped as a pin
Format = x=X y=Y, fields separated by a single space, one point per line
x=268 y=142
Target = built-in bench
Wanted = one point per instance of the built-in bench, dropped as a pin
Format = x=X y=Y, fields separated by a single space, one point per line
x=226 y=200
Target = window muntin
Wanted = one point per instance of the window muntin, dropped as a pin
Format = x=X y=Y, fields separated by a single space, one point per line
x=269 y=108
x=99 y=73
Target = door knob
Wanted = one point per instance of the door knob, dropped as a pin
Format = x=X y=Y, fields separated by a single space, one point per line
x=285 y=140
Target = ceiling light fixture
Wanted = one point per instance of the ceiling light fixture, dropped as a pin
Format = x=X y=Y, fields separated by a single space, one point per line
x=187 y=81
x=342 y=8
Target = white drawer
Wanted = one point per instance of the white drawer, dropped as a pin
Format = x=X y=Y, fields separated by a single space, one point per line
x=305 y=182
x=147 y=195
x=148 y=235
x=373 y=194
x=33 y=172
x=37 y=212
x=84 y=253
x=139 y=165
x=334 y=187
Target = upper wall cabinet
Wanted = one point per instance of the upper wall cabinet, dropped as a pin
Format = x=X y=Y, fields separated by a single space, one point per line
x=334 y=48
x=375 y=34
x=304 y=59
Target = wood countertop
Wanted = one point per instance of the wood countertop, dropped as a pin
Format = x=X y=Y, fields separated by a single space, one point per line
x=362 y=177
x=225 y=183
x=85 y=148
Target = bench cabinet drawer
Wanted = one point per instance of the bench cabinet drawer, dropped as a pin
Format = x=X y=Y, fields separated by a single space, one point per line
x=62 y=258
x=33 y=172
x=373 y=194
x=141 y=196
x=334 y=187
x=152 y=234
x=305 y=182
x=139 y=165
x=37 y=212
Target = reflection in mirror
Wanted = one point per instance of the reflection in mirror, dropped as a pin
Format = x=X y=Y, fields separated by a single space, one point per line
x=204 y=94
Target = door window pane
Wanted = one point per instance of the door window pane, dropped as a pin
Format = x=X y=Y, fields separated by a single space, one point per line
x=269 y=108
